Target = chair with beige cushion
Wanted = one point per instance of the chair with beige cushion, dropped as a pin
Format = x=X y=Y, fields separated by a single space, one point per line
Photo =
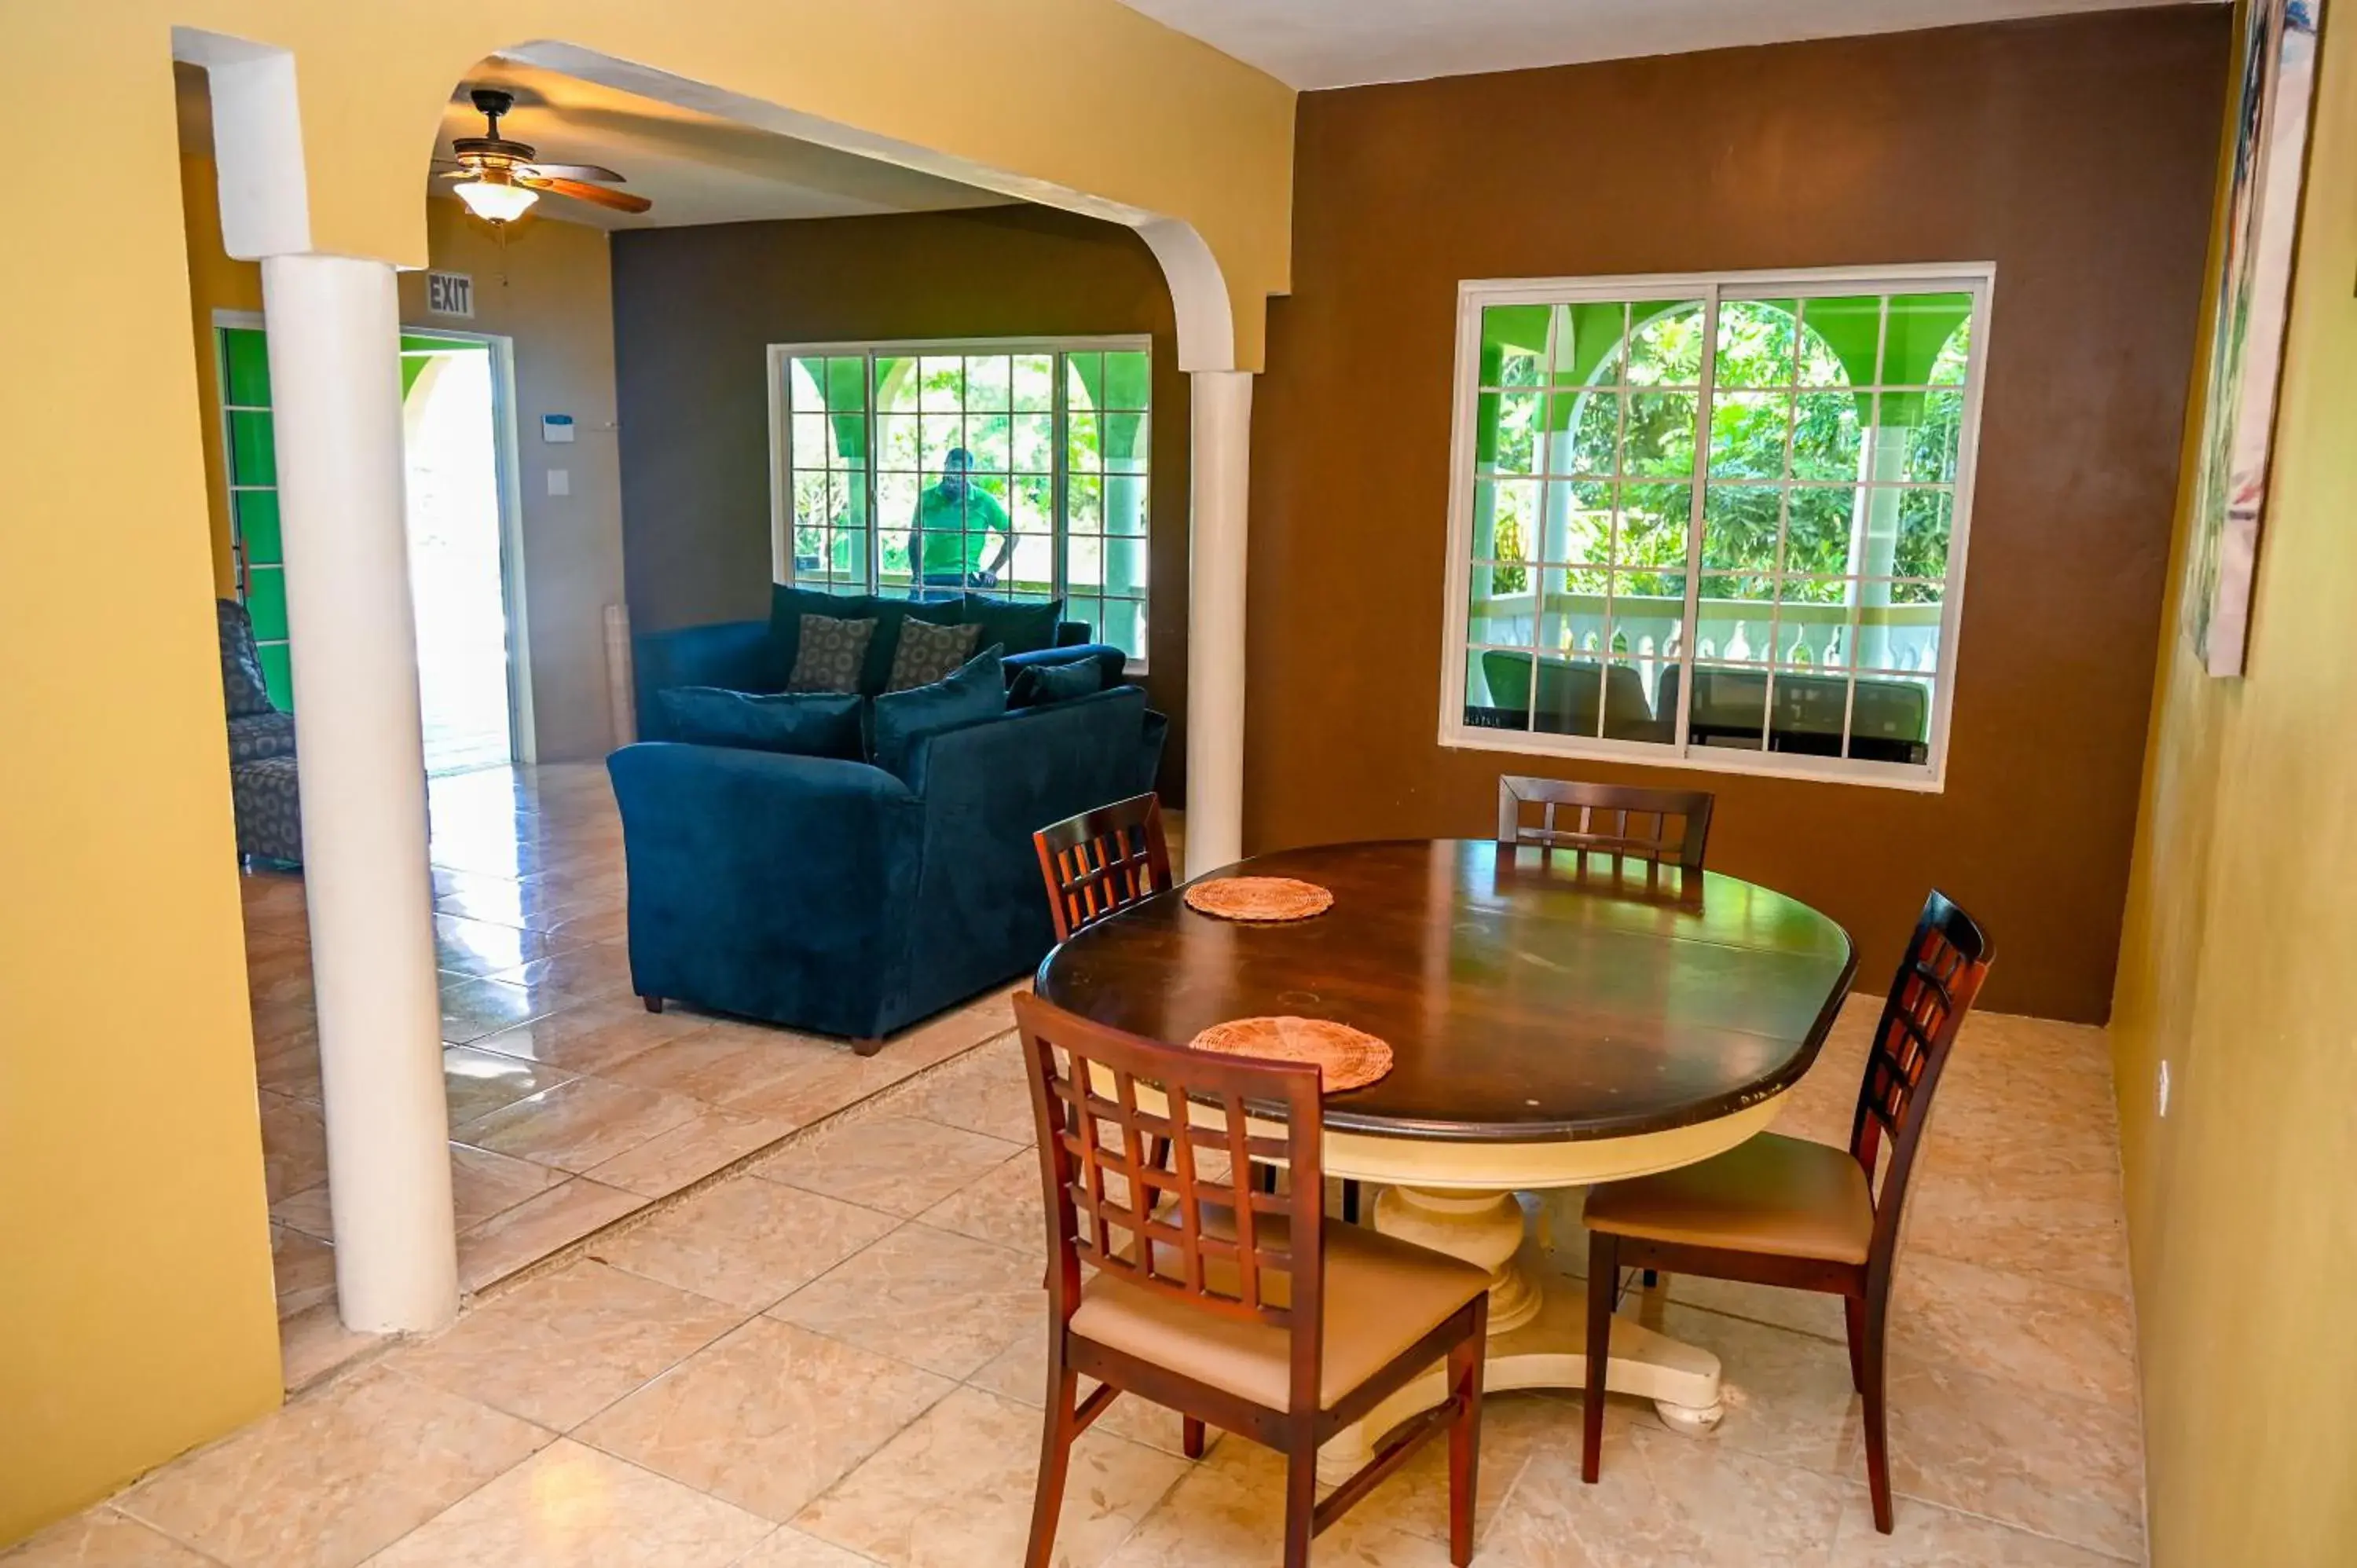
x=1233 y=1306
x=1785 y=1211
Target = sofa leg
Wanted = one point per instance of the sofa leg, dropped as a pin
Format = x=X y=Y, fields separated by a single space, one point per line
x=867 y=1047
x=654 y=1004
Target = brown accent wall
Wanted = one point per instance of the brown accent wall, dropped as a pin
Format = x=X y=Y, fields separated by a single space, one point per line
x=2075 y=154
x=696 y=310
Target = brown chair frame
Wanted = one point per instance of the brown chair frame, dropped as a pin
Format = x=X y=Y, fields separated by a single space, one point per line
x=1946 y=961
x=1161 y=1211
x=1100 y=862
x=1620 y=802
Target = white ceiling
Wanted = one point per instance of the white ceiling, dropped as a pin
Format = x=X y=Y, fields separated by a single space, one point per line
x=1343 y=43
x=696 y=168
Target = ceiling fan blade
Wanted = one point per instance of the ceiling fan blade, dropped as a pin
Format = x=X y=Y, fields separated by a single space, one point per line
x=595 y=195
x=577 y=171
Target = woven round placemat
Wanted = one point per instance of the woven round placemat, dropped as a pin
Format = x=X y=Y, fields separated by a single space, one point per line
x=1259 y=898
x=1346 y=1059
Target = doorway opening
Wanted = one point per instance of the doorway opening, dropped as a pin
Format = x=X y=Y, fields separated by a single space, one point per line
x=458 y=447
x=452 y=415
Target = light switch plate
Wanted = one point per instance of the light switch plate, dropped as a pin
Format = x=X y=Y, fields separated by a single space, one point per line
x=560 y=481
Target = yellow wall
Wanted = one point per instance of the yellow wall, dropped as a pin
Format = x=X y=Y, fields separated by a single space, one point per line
x=557 y=307
x=136 y=1302
x=2236 y=969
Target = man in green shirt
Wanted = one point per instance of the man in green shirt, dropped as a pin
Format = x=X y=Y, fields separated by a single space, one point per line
x=953 y=528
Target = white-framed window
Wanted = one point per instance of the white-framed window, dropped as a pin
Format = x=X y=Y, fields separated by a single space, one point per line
x=1014 y=467
x=1716 y=521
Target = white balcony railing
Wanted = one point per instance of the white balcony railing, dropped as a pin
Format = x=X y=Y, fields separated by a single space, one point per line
x=1645 y=631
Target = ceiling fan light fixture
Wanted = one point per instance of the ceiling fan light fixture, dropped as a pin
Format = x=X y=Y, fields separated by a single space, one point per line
x=495 y=199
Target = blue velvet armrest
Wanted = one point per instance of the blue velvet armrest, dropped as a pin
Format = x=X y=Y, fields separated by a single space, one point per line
x=981 y=915
x=733 y=655
x=767 y=885
x=1112 y=659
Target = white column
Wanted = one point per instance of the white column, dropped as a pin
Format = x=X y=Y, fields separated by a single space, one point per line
x=334 y=334
x=1215 y=618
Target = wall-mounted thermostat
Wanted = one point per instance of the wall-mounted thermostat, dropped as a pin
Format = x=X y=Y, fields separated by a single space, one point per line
x=556 y=427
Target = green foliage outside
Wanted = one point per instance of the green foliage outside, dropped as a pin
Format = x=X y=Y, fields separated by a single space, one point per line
x=1633 y=444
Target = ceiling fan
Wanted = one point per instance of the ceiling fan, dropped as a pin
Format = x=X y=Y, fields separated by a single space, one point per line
x=498 y=179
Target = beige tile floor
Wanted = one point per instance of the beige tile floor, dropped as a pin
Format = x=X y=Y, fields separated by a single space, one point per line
x=571 y=1106
x=834 y=1359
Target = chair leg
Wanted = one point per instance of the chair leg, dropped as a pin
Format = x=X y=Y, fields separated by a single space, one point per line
x=1854 y=1320
x=1350 y=1201
x=1878 y=1435
x=1190 y=1437
x=1465 y=1433
x=1300 y=1490
x=867 y=1047
x=1055 y=1454
x=1603 y=1281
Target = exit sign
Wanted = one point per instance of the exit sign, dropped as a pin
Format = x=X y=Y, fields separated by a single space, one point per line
x=450 y=294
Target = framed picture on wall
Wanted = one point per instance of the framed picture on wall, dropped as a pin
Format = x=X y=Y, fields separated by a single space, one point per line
x=2275 y=99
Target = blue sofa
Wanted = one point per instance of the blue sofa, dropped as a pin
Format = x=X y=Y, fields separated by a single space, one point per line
x=833 y=896
x=741 y=656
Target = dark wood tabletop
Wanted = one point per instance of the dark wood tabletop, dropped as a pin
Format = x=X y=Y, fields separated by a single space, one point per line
x=1524 y=1000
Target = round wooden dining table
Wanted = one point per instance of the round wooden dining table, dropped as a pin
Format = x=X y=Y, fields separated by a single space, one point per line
x=1556 y=1021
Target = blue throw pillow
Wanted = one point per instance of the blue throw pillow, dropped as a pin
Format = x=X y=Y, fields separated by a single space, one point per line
x=1019 y=627
x=1037 y=685
x=974 y=690
x=802 y=724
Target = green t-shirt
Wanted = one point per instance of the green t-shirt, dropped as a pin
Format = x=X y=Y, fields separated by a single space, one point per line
x=954 y=531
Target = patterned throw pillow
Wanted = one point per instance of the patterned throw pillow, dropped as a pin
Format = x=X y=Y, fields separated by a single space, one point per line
x=830 y=654
x=927 y=653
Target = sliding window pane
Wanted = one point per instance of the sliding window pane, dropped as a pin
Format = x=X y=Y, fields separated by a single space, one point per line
x=1734 y=620
x=1742 y=525
x=988 y=381
x=1825 y=436
x=253 y=449
x=1755 y=343
x=1129 y=381
x=1659 y=437
x=1665 y=343
x=1729 y=708
x=1915 y=333
x=1749 y=433
x=1589 y=344
x=266 y=601
x=1498 y=688
x=1035 y=382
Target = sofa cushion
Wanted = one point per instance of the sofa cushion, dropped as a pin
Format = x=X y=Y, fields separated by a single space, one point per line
x=1016 y=626
x=800 y=724
x=976 y=690
x=788 y=604
x=830 y=655
x=242 y=683
x=923 y=654
x=1039 y=685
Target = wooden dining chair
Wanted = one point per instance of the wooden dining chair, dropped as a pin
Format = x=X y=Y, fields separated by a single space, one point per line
x=1785 y=1211
x=1233 y=1306
x=1610 y=820
x=1100 y=862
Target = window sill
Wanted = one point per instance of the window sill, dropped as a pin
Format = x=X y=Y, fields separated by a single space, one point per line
x=1926 y=780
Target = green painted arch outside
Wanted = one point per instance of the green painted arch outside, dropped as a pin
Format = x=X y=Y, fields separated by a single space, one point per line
x=1851 y=327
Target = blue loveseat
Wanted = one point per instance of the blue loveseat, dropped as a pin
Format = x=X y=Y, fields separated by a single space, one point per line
x=836 y=896
x=752 y=656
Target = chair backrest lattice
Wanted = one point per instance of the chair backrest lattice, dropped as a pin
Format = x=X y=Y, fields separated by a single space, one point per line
x=1100 y=862
x=1196 y=1228
x=1659 y=827
x=1947 y=959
